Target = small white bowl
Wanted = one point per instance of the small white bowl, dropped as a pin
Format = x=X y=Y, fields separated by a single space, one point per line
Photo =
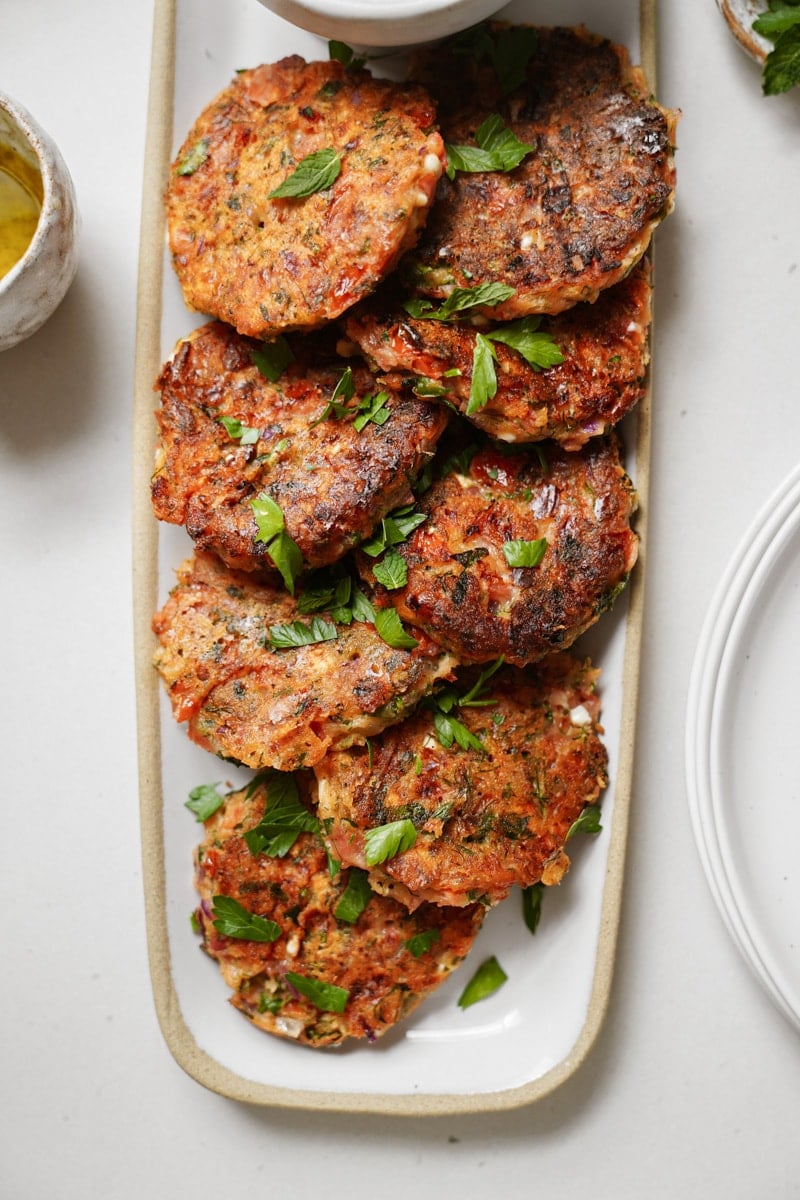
x=35 y=286
x=384 y=23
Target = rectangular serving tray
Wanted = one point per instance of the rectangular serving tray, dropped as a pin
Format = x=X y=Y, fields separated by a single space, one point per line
x=520 y=1044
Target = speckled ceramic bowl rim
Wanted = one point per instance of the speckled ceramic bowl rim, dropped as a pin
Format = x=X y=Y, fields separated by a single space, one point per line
x=33 y=135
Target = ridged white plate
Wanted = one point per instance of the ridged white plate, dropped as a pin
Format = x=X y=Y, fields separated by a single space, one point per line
x=743 y=747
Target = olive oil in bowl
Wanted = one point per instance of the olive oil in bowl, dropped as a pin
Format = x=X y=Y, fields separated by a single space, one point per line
x=20 y=206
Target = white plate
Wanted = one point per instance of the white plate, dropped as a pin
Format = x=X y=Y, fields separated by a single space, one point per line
x=743 y=767
x=521 y=1043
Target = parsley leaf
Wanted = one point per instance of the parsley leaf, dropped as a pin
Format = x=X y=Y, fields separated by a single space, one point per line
x=532 y=905
x=284 y=817
x=394 y=529
x=234 y=921
x=449 y=730
x=497 y=149
x=420 y=943
x=483 y=387
x=246 y=435
x=508 y=50
x=587 y=822
x=204 y=801
x=346 y=55
x=392 y=570
x=519 y=553
x=325 y=996
x=459 y=300
x=385 y=841
x=193 y=158
x=536 y=347
x=286 y=637
x=272 y=358
x=372 y=408
x=487 y=979
x=354 y=898
x=313 y=173
x=390 y=629
x=284 y=552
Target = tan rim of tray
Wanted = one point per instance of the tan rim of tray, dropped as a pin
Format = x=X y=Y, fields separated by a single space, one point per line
x=195 y=1061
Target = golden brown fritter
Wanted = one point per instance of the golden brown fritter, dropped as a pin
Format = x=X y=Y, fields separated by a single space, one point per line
x=485 y=819
x=247 y=700
x=381 y=977
x=270 y=265
x=602 y=378
x=333 y=477
x=579 y=210
x=465 y=586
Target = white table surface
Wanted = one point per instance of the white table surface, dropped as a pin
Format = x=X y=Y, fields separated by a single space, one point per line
x=693 y=1087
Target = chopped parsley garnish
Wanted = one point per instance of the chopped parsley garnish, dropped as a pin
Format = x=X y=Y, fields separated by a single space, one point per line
x=385 y=841
x=781 y=26
x=246 y=435
x=339 y=595
x=390 y=629
x=394 y=529
x=497 y=149
x=284 y=817
x=537 y=348
x=519 y=553
x=487 y=979
x=204 y=801
x=272 y=358
x=508 y=50
x=314 y=173
x=284 y=552
x=234 y=921
x=420 y=943
x=587 y=822
x=298 y=633
x=369 y=408
x=346 y=55
x=325 y=996
x=193 y=158
x=354 y=898
x=484 y=295
x=392 y=570
x=449 y=729
x=532 y=905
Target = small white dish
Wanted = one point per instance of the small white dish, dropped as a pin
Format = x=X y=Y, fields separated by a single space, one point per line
x=739 y=15
x=37 y=283
x=741 y=740
x=383 y=23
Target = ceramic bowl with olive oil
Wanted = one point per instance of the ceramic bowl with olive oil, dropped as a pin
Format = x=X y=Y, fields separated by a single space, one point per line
x=38 y=225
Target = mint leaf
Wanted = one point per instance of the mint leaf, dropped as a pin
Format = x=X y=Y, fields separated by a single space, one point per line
x=775 y=22
x=497 y=149
x=487 y=979
x=519 y=553
x=385 y=841
x=782 y=64
x=420 y=943
x=391 y=571
x=532 y=905
x=272 y=358
x=286 y=637
x=354 y=898
x=390 y=629
x=513 y=49
x=587 y=822
x=313 y=173
x=325 y=996
x=204 y=801
x=234 y=921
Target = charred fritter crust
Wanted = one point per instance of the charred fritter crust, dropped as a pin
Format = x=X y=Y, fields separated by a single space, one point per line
x=384 y=980
x=268 y=265
x=485 y=821
x=580 y=210
x=461 y=588
x=332 y=480
x=282 y=708
x=602 y=378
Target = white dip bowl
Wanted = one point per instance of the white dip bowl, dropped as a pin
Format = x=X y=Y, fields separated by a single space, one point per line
x=384 y=23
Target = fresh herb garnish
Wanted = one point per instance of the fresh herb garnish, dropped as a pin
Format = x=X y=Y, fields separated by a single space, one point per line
x=354 y=898
x=272 y=358
x=246 y=435
x=519 y=553
x=298 y=633
x=449 y=729
x=234 y=921
x=394 y=529
x=532 y=905
x=193 y=158
x=487 y=979
x=204 y=801
x=346 y=55
x=284 y=817
x=325 y=996
x=369 y=408
x=284 y=552
x=392 y=570
x=372 y=408
x=587 y=822
x=420 y=943
x=385 y=841
x=313 y=173
x=537 y=348
x=483 y=295
x=390 y=630
x=497 y=148
x=781 y=26
x=508 y=50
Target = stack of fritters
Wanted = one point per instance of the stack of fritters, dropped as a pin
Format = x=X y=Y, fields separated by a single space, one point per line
x=419 y=483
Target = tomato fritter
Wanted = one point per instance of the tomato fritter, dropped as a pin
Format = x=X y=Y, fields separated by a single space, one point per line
x=579 y=210
x=490 y=815
x=229 y=435
x=359 y=976
x=269 y=264
x=231 y=659
x=519 y=553
x=602 y=377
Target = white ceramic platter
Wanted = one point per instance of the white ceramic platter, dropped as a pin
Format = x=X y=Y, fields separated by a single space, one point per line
x=741 y=747
x=530 y=1036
